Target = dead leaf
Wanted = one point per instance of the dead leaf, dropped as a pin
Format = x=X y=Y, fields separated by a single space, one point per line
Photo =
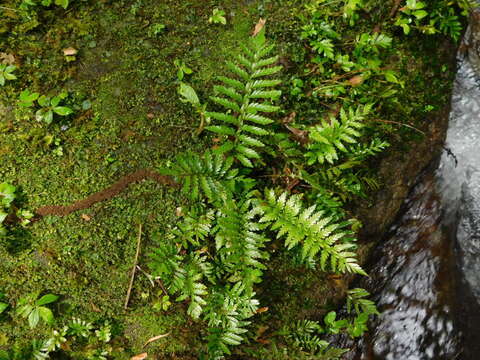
x=139 y=356
x=7 y=59
x=70 y=51
x=150 y=115
x=356 y=80
x=155 y=338
x=261 y=330
x=179 y=211
x=300 y=135
x=289 y=118
x=85 y=217
x=262 y=310
x=263 y=341
x=95 y=308
x=259 y=26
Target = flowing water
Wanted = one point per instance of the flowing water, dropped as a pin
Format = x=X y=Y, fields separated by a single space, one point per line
x=426 y=276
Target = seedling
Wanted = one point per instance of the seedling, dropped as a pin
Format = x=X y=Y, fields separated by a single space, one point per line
x=218 y=17
x=6 y=73
x=36 y=311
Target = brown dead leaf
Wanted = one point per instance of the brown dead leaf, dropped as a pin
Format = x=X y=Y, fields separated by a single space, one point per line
x=356 y=80
x=7 y=59
x=155 y=338
x=263 y=341
x=95 y=308
x=179 y=211
x=259 y=26
x=300 y=135
x=289 y=118
x=262 y=310
x=139 y=356
x=70 y=51
x=85 y=217
x=261 y=330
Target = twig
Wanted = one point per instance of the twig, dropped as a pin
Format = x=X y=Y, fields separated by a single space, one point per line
x=134 y=265
x=7 y=8
x=399 y=123
x=155 y=338
x=159 y=281
x=396 y=6
x=149 y=277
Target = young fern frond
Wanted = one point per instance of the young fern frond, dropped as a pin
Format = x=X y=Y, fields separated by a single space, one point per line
x=210 y=175
x=239 y=242
x=310 y=229
x=246 y=100
x=330 y=137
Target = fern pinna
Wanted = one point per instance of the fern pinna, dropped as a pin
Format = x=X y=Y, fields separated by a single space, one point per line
x=210 y=175
x=247 y=98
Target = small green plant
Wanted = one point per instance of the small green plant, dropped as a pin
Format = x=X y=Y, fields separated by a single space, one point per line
x=7 y=197
x=6 y=73
x=3 y=305
x=156 y=29
x=35 y=310
x=189 y=95
x=49 y=106
x=218 y=17
x=163 y=304
x=430 y=18
x=182 y=69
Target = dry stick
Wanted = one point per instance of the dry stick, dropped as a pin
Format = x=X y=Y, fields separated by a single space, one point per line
x=134 y=265
x=399 y=123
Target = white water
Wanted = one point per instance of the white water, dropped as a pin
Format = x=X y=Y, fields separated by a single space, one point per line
x=459 y=181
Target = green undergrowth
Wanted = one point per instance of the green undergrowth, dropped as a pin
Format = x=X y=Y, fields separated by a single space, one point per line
x=122 y=86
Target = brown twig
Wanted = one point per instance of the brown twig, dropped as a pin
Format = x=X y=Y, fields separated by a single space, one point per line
x=396 y=6
x=399 y=123
x=127 y=299
x=159 y=281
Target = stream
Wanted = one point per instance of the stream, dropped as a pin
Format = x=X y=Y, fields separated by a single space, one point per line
x=425 y=276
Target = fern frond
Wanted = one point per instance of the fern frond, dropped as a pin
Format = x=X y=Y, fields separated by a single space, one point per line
x=335 y=135
x=236 y=96
x=210 y=176
x=310 y=229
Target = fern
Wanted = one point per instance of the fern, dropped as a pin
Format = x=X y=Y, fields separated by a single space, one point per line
x=327 y=139
x=239 y=241
x=227 y=313
x=356 y=301
x=210 y=175
x=312 y=230
x=246 y=99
